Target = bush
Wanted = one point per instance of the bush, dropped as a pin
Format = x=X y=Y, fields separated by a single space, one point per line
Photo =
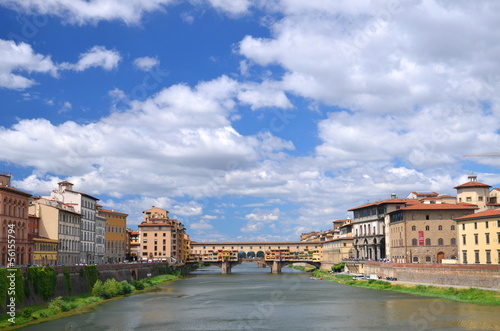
x=137 y=284
x=97 y=289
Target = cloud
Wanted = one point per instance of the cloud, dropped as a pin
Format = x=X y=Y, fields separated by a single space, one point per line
x=202 y=225
x=81 y=12
x=146 y=63
x=90 y=12
x=231 y=7
x=97 y=56
x=181 y=136
x=16 y=59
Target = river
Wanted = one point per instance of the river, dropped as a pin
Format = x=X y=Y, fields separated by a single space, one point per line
x=252 y=298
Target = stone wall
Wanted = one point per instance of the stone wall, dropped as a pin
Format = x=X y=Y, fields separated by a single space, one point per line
x=487 y=276
x=80 y=284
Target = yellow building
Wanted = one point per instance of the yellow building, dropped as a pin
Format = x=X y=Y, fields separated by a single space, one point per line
x=45 y=251
x=161 y=238
x=479 y=237
x=115 y=235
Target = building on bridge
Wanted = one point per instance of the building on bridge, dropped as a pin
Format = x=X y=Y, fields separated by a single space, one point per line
x=232 y=251
x=161 y=238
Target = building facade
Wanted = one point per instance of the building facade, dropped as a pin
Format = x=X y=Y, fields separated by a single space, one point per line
x=425 y=232
x=161 y=238
x=474 y=192
x=116 y=235
x=368 y=227
x=15 y=248
x=60 y=222
x=86 y=206
x=479 y=237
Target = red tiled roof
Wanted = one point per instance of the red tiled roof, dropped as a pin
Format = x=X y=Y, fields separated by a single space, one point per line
x=111 y=211
x=381 y=203
x=437 y=206
x=14 y=190
x=433 y=194
x=483 y=214
x=472 y=184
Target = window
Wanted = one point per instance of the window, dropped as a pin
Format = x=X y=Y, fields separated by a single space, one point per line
x=464 y=241
x=414 y=242
x=440 y=242
x=427 y=228
x=468 y=199
x=453 y=241
x=144 y=247
x=427 y=217
x=452 y=228
x=480 y=199
x=427 y=259
x=463 y=226
x=475 y=225
x=413 y=228
x=427 y=242
x=488 y=256
x=145 y=241
x=486 y=224
x=464 y=257
x=476 y=256
x=498 y=253
x=476 y=239
x=487 y=238
x=415 y=259
x=440 y=227
x=498 y=224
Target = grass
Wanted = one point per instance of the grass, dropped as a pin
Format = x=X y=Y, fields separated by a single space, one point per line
x=470 y=295
x=74 y=305
x=306 y=269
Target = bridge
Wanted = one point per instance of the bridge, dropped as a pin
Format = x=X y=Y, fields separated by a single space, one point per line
x=276 y=255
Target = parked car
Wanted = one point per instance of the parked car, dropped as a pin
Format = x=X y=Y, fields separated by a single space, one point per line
x=359 y=277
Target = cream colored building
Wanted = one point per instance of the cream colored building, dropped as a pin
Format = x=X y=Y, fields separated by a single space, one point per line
x=474 y=192
x=479 y=237
x=60 y=222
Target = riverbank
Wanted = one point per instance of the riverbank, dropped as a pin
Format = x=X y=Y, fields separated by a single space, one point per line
x=83 y=303
x=469 y=295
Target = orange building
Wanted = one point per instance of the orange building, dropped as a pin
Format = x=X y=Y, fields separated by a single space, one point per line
x=115 y=235
x=161 y=237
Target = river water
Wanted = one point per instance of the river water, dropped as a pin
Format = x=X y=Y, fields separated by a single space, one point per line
x=252 y=298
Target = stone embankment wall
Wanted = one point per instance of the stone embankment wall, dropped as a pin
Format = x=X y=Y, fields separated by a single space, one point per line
x=80 y=282
x=487 y=276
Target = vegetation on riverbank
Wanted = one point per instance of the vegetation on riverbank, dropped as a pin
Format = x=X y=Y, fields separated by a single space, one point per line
x=302 y=268
x=63 y=307
x=471 y=295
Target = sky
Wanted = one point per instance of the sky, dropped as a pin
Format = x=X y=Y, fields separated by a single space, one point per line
x=248 y=120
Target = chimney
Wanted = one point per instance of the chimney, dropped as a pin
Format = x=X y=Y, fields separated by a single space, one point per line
x=394 y=196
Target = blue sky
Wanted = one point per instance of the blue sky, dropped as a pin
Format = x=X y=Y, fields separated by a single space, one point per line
x=248 y=120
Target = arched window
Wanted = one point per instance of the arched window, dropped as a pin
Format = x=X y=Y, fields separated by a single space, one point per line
x=440 y=227
x=440 y=241
x=415 y=259
x=453 y=241
x=413 y=228
x=428 y=242
x=427 y=228
x=414 y=242
x=427 y=259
